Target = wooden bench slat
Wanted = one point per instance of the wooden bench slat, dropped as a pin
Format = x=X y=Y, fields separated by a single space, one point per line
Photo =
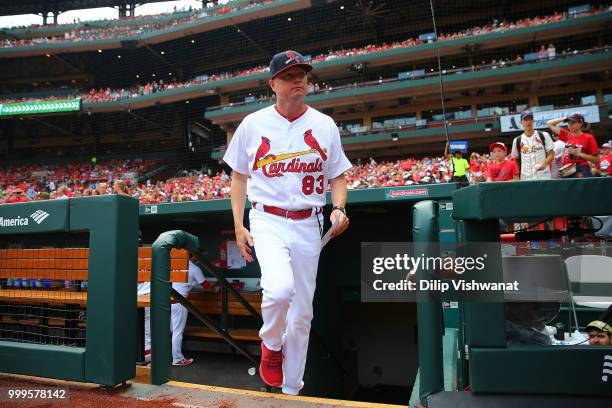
x=143 y=301
x=78 y=274
x=56 y=322
x=214 y=308
x=52 y=263
x=39 y=263
x=55 y=274
x=31 y=321
x=175 y=276
x=238 y=334
x=43 y=296
x=146 y=252
x=61 y=322
x=77 y=253
x=55 y=297
x=231 y=305
x=175 y=264
x=251 y=297
x=48 y=253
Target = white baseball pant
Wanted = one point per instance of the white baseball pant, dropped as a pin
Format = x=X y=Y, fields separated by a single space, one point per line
x=178 y=314
x=178 y=320
x=288 y=254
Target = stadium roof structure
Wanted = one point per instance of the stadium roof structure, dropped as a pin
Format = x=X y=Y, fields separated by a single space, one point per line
x=11 y=7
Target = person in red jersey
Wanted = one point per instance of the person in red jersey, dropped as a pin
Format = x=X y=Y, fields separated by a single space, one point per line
x=501 y=169
x=17 y=195
x=581 y=148
x=605 y=160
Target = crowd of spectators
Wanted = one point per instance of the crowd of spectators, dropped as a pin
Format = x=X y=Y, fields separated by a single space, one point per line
x=108 y=94
x=34 y=182
x=195 y=186
x=111 y=30
x=39 y=182
x=328 y=87
x=77 y=21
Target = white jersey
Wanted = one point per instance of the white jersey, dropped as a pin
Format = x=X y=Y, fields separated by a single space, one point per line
x=559 y=153
x=289 y=162
x=196 y=277
x=532 y=153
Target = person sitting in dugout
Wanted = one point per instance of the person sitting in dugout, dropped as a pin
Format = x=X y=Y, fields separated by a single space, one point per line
x=599 y=333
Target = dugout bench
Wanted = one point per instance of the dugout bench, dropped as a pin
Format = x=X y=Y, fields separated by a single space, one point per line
x=71 y=264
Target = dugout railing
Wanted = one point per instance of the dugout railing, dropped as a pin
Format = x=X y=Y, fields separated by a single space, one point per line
x=161 y=292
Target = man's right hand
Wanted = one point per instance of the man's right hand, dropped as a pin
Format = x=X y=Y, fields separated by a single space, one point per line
x=244 y=241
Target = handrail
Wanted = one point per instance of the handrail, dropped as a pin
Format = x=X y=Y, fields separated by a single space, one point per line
x=212 y=325
x=212 y=270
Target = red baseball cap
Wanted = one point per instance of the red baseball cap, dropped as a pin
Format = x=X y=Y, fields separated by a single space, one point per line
x=498 y=144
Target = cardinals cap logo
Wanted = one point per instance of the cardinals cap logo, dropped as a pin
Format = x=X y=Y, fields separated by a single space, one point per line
x=292 y=57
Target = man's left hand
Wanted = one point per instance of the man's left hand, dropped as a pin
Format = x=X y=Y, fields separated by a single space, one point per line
x=343 y=223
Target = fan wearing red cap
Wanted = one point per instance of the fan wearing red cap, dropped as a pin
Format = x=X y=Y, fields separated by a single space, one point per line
x=581 y=148
x=605 y=159
x=501 y=169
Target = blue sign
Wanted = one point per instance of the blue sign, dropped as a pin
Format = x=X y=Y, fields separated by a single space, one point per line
x=458 y=146
x=573 y=11
x=427 y=37
x=411 y=74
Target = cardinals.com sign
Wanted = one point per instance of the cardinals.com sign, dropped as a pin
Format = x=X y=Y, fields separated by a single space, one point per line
x=512 y=123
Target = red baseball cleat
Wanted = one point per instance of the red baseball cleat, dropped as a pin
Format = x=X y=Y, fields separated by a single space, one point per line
x=271 y=366
x=183 y=362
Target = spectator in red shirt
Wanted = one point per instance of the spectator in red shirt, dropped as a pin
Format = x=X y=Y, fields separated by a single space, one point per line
x=475 y=169
x=581 y=148
x=17 y=196
x=501 y=169
x=605 y=160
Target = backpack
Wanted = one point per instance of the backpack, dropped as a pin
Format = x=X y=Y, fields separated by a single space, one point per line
x=517 y=144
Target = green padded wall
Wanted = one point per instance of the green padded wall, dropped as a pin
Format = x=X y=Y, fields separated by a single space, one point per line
x=569 y=370
x=112 y=222
x=424 y=233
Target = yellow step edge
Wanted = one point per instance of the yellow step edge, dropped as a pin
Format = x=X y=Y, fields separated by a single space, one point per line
x=314 y=400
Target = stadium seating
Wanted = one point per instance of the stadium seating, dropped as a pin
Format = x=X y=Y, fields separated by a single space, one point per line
x=137 y=90
x=122 y=28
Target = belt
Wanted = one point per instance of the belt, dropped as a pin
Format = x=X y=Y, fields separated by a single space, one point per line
x=281 y=212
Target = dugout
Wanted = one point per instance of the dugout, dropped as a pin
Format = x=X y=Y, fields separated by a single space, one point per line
x=499 y=370
x=362 y=351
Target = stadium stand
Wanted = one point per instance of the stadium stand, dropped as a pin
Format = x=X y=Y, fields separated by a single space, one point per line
x=154 y=100
x=107 y=95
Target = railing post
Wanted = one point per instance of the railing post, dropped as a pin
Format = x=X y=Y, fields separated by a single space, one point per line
x=429 y=310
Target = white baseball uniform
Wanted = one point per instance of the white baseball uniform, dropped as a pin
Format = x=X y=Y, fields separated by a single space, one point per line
x=289 y=164
x=557 y=163
x=178 y=312
x=533 y=152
